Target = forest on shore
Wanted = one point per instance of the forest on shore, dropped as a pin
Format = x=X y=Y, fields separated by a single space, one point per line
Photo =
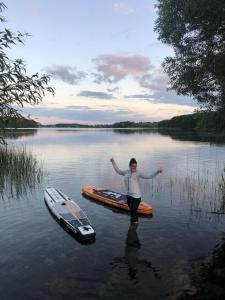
x=197 y=121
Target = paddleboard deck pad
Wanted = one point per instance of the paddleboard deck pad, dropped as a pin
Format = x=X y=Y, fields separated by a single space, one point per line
x=68 y=213
x=114 y=199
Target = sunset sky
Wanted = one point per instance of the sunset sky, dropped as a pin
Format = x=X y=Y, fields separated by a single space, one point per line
x=104 y=57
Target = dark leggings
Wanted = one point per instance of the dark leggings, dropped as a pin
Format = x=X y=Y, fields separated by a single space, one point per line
x=133 y=204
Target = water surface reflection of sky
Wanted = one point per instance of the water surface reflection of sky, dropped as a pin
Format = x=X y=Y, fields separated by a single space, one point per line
x=173 y=246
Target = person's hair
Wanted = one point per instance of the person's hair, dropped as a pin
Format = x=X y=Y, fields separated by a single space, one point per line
x=132 y=161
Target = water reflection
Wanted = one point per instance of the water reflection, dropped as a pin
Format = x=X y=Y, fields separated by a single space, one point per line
x=194 y=136
x=181 y=135
x=175 y=134
x=131 y=259
x=131 y=251
x=156 y=263
x=19 y=133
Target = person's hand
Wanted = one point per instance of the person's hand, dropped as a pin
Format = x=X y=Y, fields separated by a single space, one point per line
x=159 y=170
x=112 y=160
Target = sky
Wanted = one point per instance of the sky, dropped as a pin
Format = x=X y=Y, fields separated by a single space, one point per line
x=104 y=58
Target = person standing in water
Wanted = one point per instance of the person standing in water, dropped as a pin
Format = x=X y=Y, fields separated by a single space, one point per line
x=132 y=183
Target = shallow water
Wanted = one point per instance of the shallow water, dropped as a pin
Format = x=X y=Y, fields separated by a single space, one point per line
x=178 y=253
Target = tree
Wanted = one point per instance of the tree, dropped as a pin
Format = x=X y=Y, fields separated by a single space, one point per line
x=16 y=87
x=196 y=31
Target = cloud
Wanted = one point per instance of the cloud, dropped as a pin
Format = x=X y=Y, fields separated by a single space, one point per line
x=170 y=97
x=86 y=114
x=77 y=107
x=138 y=96
x=98 y=95
x=66 y=73
x=123 y=8
x=164 y=96
x=115 y=67
x=113 y=89
x=157 y=80
x=112 y=68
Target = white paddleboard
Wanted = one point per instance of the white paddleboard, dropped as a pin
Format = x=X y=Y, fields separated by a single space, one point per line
x=68 y=213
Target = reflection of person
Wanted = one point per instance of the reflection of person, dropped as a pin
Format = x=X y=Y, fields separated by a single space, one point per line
x=132 y=183
x=131 y=252
x=131 y=258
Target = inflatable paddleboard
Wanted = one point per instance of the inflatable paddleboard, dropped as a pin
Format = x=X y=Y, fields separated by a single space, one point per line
x=114 y=199
x=68 y=213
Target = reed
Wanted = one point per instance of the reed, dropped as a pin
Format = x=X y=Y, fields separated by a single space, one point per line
x=205 y=190
x=201 y=189
x=20 y=171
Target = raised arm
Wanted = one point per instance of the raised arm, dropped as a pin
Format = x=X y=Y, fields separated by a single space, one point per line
x=150 y=176
x=116 y=167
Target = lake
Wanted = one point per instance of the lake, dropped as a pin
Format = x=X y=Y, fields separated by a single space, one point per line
x=178 y=253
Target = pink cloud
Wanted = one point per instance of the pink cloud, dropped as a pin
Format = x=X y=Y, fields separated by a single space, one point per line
x=123 y=8
x=114 y=67
x=157 y=80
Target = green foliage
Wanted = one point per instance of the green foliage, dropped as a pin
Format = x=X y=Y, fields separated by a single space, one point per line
x=16 y=87
x=129 y=124
x=188 y=122
x=19 y=123
x=196 y=31
x=203 y=121
x=211 y=121
x=206 y=121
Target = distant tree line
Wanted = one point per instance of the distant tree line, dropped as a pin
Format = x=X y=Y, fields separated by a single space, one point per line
x=20 y=122
x=189 y=122
x=202 y=121
x=124 y=124
x=25 y=123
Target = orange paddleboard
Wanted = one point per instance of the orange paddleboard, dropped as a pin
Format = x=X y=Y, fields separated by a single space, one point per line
x=114 y=199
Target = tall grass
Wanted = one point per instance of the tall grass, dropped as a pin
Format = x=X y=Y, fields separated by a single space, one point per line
x=20 y=172
x=206 y=190
x=202 y=189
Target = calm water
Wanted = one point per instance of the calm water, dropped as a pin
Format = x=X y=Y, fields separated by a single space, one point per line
x=179 y=253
